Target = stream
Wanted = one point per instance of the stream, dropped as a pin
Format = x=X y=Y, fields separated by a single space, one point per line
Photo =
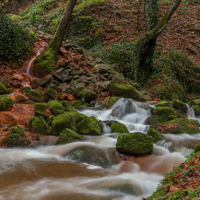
x=46 y=172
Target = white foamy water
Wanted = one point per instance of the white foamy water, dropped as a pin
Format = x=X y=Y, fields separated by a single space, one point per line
x=47 y=173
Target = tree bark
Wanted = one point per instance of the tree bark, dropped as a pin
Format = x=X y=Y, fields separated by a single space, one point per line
x=143 y=48
x=44 y=63
x=58 y=37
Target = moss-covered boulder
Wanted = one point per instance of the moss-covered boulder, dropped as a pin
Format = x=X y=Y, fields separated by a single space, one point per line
x=84 y=94
x=49 y=121
x=56 y=107
x=3 y=90
x=197 y=148
x=43 y=64
x=35 y=96
x=180 y=125
x=179 y=105
x=16 y=130
x=40 y=107
x=196 y=109
x=40 y=126
x=163 y=111
x=14 y=140
x=67 y=106
x=162 y=104
x=30 y=120
x=20 y=99
x=91 y=155
x=38 y=114
x=79 y=105
x=109 y=101
x=135 y=143
x=67 y=136
x=51 y=93
x=90 y=126
x=5 y=102
x=157 y=119
x=67 y=120
x=120 y=88
x=119 y=128
x=154 y=134
x=194 y=102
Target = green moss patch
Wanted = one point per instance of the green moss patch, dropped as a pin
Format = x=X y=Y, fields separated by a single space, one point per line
x=67 y=136
x=56 y=107
x=40 y=126
x=5 y=102
x=134 y=143
x=119 y=128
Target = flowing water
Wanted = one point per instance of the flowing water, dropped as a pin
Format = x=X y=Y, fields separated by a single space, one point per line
x=47 y=173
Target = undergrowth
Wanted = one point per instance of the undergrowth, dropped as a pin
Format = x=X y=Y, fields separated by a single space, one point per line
x=15 y=41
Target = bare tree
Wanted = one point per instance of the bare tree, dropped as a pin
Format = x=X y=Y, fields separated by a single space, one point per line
x=44 y=63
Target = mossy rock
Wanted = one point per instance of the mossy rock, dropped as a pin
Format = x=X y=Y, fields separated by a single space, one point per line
x=38 y=114
x=89 y=126
x=14 y=140
x=3 y=90
x=135 y=143
x=155 y=119
x=163 y=111
x=16 y=130
x=40 y=107
x=120 y=88
x=84 y=94
x=180 y=125
x=51 y=93
x=154 y=134
x=5 y=102
x=20 y=99
x=163 y=104
x=35 y=96
x=194 y=102
x=91 y=155
x=109 y=101
x=67 y=136
x=43 y=64
x=66 y=120
x=196 y=109
x=56 y=107
x=65 y=103
x=119 y=128
x=9 y=90
x=30 y=120
x=179 y=105
x=40 y=126
x=78 y=104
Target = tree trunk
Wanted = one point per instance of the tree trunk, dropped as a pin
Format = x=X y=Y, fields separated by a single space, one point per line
x=44 y=63
x=143 y=48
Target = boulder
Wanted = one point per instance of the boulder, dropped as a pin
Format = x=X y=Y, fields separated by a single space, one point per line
x=103 y=69
x=154 y=134
x=135 y=143
x=121 y=88
x=66 y=120
x=40 y=107
x=163 y=111
x=89 y=126
x=15 y=140
x=91 y=155
x=56 y=107
x=51 y=93
x=5 y=102
x=16 y=130
x=84 y=94
x=67 y=136
x=20 y=98
x=179 y=105
x=119 y=128
x=40 y=126
x=109 y=101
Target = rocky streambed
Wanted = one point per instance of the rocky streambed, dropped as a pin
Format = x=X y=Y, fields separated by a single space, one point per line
x=86 y=130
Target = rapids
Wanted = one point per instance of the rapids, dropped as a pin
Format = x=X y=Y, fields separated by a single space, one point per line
x=46 y=172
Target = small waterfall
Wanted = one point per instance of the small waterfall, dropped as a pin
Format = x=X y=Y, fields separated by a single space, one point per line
x=131 y=113
x=31 y=61
x=190 y=112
